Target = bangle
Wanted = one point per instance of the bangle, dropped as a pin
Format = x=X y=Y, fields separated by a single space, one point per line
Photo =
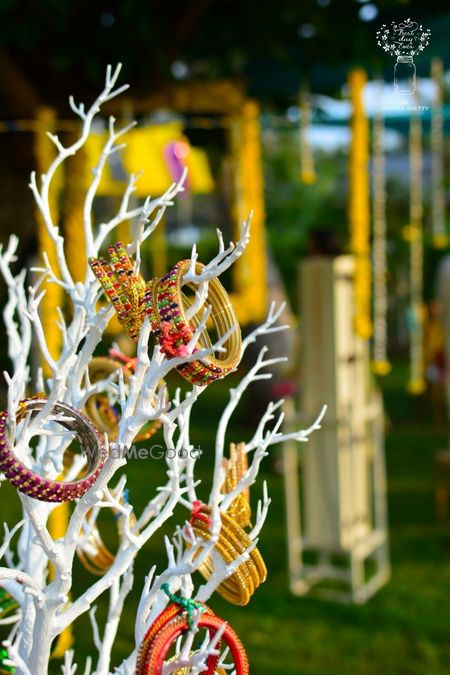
x=171 y=612
x=167 y=637
x=124 y=288
x=236 y=467
x=7 y=603
x=165 y=303
x=98 y=407
x=92 y=552
x=48 y=490
x=232 y=542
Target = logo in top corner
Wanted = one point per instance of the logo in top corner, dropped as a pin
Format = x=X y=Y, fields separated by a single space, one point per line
x=404 y=40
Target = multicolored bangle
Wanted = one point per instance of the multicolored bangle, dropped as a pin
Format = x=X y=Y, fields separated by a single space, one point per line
x=166 y=305
x=158 y=652
x=236 y=467
x=233 y=542
x=91 y=551
x=124 y=288
x=48 y=490
x=98 y=407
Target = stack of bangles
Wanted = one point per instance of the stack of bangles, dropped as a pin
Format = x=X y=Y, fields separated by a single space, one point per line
x=236 y=467
x=233 y=542
x=176 y=620
x=124 y=288
x=91 y=550
x=49 y=490
x=165 y=303
x=98 y=407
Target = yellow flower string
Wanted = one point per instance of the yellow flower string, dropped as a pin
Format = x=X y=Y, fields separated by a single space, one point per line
x=77 y=178
x=381 y=364
x=359 y=210
x=414 y=234
x=438 y=226
x=44 y=151
x=249 y=271
x=307 y=171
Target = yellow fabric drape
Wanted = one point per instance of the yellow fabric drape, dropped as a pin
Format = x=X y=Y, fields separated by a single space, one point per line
x=250 y=270
x=359 y=205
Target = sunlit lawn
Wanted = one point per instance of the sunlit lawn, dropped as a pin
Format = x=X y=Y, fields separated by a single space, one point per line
x=404 y=630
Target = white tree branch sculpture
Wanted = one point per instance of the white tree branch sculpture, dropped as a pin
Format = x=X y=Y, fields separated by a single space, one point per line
x=46 y=606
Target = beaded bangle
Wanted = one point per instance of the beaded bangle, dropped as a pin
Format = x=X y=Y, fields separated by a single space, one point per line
x=167 y=637
x=98 y=407
x=166 y=304
x=32 y=484
x=124 y=288
x=91 y=550
x=233 y=542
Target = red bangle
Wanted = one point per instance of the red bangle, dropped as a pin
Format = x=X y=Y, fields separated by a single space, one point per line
x=165 y=638
x=172 y=612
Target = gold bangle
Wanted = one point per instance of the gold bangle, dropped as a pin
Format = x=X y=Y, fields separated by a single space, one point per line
x=236 y=467
x=91 y=551
x=232 y=542
x=98 y=407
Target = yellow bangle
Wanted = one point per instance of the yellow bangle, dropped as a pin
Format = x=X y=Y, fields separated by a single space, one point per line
x=232 y=542
x=236 y=467
x=98 y=407
x=91 y=551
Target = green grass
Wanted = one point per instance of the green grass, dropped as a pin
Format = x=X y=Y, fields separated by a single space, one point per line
x=403 y=630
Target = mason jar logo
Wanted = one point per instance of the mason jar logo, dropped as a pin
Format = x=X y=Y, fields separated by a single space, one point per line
x=404 y=40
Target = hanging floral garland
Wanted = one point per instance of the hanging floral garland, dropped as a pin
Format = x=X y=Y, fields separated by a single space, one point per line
x=44 y=153
x=439 y=233
x=381 y=364
x=359 y=209
x=307 y=171
x=414 y=233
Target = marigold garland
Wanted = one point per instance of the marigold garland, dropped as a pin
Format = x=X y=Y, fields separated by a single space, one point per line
x=359 y=210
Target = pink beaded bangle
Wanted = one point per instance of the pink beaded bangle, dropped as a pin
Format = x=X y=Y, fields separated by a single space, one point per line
x=165 y=304
x=32 y=484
